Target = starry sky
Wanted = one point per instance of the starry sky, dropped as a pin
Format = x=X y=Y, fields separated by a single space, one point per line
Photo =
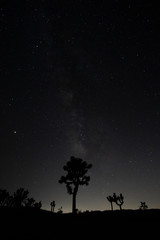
x=81 y=78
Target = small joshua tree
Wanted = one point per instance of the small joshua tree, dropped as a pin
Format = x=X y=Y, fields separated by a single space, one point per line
x=110 y=199
x=53 y=204
x=76 y=170
x=143 y=206
x=119 y=200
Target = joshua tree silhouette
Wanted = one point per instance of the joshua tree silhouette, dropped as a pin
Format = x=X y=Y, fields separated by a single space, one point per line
x=119 y=200
x=143 y=206
x=110 y=199
x=53 y=204
x=76 y=170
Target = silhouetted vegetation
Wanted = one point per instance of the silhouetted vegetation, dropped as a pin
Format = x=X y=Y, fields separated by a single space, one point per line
x=38 y=205
x=4 y=198
x=53 y=204
x=76 y=170
x=110 y=199
x=143 y=206
x=118 y=199
x=18 y=199
x=21 y=212
x=30 y=202
x=60 y=211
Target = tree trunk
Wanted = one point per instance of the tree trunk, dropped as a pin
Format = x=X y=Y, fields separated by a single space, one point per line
x=120 y=206
x=74 y=199
x=74 y=203
x=111 y=206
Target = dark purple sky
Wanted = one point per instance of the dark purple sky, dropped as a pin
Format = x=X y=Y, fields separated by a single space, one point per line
x=81 y=78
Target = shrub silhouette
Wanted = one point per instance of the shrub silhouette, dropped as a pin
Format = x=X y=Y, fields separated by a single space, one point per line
x=4 y=197
x=76 y=170
x=20 y=197
x=30 y=202
x=60 y=211
x=38 y=205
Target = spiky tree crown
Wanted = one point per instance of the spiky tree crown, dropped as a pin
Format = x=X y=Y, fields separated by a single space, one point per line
x=76 y=169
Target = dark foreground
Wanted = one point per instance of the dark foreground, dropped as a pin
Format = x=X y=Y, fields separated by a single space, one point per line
x=40 y=224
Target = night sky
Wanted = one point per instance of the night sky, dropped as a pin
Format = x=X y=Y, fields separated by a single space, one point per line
x=81 y=78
